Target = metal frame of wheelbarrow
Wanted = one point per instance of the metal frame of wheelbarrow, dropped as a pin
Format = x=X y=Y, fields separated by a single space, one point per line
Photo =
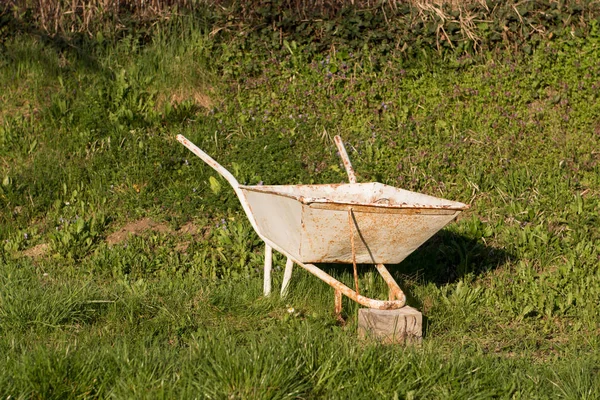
x=396 y=300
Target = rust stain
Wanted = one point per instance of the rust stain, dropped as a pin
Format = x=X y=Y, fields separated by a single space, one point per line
x=292 y=191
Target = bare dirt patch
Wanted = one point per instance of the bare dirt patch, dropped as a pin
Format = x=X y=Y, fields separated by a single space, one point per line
x=143 y=225
x=136 y=228
x=189 y=229
x=37 y=251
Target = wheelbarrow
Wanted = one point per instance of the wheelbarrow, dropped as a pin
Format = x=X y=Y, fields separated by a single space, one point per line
x=367 y=223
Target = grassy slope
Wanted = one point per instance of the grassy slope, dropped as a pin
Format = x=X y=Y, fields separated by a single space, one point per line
x=510 y=290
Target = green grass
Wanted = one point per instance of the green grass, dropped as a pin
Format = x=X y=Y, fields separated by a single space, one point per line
x=510 y=290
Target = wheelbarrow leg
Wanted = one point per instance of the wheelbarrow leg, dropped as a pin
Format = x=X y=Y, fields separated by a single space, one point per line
x=346 y=291
x=337 y=296
x=268 y=265
x=287 y=275
x=395 y=292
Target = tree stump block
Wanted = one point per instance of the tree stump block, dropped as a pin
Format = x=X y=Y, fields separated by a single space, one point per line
x=404 y=325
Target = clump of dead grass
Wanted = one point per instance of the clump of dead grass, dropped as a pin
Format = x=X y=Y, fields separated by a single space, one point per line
x=68 y=16
x=63 y=16
x=178 y=95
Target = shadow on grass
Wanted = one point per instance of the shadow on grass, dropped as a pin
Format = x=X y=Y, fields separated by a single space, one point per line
x=448 y=257
x=445 y=258
x=77 y=44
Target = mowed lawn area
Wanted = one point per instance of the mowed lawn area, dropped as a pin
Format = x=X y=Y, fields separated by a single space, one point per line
x=129 y=270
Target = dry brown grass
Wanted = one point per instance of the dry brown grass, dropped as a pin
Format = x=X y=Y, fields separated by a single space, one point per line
x=61 y=16
x=56 y=16
x=188 y=93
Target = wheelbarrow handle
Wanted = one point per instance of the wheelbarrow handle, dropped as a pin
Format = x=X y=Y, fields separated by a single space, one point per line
x=210 y=161
x=344 y=155
x=228 y=176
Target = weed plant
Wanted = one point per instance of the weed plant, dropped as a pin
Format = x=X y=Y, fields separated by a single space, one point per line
x=510 y=290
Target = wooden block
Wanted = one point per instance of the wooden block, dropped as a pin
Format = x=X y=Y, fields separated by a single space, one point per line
x=391 y=326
